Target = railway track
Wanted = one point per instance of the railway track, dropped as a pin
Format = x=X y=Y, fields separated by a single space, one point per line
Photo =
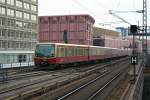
x=43 y=83
x=32 y=72
x=7 y=73
x=90 y=90
x=56 y=93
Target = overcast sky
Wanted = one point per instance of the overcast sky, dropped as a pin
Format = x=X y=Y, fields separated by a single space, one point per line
x=99 y=9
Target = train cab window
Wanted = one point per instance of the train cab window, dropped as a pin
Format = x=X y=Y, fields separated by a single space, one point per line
x=44 y=50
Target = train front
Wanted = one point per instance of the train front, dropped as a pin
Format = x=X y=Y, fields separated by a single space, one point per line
x=45 y=56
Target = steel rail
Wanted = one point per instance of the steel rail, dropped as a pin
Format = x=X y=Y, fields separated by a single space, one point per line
x=90 y=82
x=101 y=89
x=78 y=89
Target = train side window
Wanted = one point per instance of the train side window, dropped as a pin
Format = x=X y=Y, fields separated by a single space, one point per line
x=62 y=52
x=59 y=52
x=82 y=52
x=72 y=51
x=79 y=51
x=93 y=51
x=87 y=51
x=76 y=52
x=66 y=54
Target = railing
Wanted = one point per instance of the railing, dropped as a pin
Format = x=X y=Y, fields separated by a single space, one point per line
x=137 y=89
x=13 y=65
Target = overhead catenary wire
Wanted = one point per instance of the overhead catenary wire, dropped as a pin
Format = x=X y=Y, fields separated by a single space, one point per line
x=105 y=7
x=85 y=8
x=118 y=4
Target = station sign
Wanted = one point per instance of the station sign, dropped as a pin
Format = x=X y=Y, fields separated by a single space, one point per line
x=133 y=59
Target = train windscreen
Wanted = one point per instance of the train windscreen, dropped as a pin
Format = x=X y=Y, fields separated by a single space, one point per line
x=44 y=50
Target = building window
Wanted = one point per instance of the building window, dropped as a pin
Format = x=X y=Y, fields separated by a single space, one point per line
x=3 y=45
x=26 y=25
x=11 y=33
x=33 y=8
x=17 y=34
x=33 y=17
x=26 y=16
x=34 y=36
x=10 y=2
x=3 y=1
x=2 y=33
x=18 y=14
x=0 y=46
x=33 y=45
x=33 y=0
x=2 y=21
x=27 y=35
x=18 y=24
x=18 y=3
x=10 y=22
x=10 y=12
x=21 y=35
x=2 y=10
x=26 y=6
x=22 y=58
x=34 y=26
x=10 y=44
x=17 y=45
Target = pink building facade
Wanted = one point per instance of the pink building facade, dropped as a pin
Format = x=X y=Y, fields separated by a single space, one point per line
x=79 y=29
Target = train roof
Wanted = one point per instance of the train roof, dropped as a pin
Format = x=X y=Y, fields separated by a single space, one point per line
x=64 y=44
x=79 y=45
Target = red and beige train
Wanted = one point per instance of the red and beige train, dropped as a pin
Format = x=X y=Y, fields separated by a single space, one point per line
x=53 y=55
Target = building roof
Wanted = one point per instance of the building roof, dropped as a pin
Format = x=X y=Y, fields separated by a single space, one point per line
x=70 y=15
x=100 y=32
